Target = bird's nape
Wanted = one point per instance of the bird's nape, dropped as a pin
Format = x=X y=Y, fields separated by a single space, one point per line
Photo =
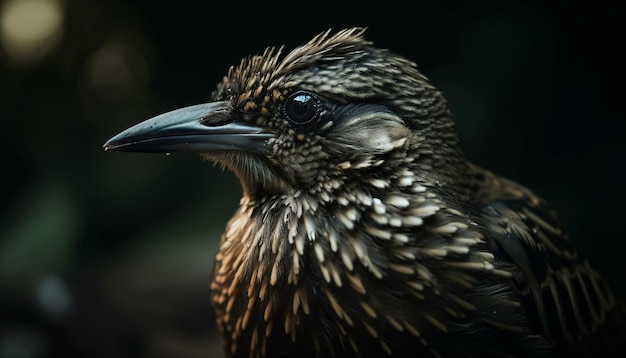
x=363 y=230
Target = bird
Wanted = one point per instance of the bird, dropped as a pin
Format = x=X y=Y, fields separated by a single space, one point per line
x=364 y=231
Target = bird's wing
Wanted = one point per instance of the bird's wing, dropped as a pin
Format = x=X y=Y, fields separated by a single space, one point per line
x=564 y=297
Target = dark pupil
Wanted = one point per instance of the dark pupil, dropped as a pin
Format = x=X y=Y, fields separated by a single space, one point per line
x=301 y=108
x=301 y=104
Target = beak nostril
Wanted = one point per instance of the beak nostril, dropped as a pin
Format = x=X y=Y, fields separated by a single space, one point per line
x=217 y=118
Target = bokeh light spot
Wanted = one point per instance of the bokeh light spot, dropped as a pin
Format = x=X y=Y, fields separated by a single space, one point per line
x=30 y=29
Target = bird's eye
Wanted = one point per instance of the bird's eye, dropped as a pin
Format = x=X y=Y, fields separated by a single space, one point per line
x=302 y=107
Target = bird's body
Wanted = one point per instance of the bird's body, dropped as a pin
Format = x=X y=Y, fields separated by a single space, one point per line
x=363 y=231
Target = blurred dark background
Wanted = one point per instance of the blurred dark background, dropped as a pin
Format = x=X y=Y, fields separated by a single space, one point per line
x=109 y=255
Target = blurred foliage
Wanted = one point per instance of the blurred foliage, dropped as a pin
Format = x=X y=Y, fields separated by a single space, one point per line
x=107 y=254
x=42 y=233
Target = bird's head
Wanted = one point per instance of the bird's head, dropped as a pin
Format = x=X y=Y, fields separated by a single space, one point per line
x=331 y=110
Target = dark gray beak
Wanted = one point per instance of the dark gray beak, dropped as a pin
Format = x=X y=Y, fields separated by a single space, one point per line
x=201 y=128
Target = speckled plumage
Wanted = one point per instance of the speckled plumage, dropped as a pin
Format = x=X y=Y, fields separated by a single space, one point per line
x=363 y=231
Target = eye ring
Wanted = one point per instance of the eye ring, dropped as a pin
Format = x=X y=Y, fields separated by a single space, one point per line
x=302 y=107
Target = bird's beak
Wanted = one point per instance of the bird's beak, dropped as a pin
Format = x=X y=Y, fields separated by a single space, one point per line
x=201 y=128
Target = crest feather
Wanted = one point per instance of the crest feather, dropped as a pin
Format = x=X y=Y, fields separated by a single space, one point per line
x=323 y=47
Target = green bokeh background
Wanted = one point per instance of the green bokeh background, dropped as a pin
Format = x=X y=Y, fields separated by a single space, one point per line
x=109 y=254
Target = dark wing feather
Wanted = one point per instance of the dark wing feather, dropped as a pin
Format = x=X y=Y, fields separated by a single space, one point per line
x=565 y=299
